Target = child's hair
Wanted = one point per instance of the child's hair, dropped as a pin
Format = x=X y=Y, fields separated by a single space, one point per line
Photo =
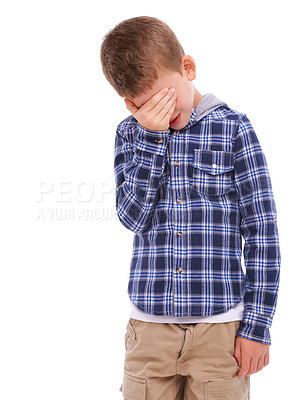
x=136 y=51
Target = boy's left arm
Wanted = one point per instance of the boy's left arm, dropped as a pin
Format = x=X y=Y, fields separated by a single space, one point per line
x=261 y=249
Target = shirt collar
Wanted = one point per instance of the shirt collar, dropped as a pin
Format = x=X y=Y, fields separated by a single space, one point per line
x=206 y=105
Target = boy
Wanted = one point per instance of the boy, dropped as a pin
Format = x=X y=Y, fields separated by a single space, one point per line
x=191 y=181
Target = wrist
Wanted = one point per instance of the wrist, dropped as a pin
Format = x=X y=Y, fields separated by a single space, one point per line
x=152 y=128
x=151 y=141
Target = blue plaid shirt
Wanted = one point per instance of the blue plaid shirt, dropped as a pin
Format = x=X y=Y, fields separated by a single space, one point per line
x=190 y=196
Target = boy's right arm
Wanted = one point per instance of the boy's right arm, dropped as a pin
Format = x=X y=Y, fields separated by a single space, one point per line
x=138 y=167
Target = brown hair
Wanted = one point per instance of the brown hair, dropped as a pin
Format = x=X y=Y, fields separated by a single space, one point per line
x=136 y=51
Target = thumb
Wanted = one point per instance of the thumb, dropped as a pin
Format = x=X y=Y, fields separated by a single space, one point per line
x=131 y=106
x=238 y=352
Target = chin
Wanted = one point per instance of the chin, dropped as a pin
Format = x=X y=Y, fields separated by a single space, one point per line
x=181 y=125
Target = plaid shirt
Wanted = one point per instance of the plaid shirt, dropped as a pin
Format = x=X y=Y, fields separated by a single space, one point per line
x=190 y=196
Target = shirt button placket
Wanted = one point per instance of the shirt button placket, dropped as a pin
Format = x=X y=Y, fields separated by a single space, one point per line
x=179 y=234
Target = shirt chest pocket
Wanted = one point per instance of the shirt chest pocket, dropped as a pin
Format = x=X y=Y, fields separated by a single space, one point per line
x=212 y=172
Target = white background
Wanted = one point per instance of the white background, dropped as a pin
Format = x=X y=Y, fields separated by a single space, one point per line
x=65 y=259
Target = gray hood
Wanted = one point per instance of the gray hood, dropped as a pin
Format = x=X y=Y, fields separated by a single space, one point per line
x=207 y=104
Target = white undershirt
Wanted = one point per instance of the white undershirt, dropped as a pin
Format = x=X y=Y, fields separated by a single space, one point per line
x=234 y=314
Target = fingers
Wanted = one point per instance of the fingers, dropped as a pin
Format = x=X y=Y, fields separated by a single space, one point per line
x=260 y=364
x=166 y=111
x=245 y=367
x=166 y=115
x=251 y=356
x=251 y=365
x=155 y=114
x=238 y=353
x=164 y=105
x=156 y=102
x=266 y=359
x=254 y=362
x=263 y=361
x=244 y=360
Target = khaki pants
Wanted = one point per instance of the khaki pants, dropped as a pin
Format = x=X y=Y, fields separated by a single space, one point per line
x=165 y=361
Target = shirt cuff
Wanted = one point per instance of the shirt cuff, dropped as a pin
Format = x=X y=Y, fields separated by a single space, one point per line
x=256 y=332
x=151 y=141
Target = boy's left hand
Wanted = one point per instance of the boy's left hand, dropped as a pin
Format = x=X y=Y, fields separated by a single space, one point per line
x=251 y=356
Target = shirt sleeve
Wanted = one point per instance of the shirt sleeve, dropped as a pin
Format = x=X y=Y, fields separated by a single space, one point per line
x=260 y=233
x=138 y=168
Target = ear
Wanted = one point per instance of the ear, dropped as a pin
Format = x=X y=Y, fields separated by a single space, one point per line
x=188 y=67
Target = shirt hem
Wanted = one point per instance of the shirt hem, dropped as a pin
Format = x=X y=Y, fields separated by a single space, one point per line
x=158 y=317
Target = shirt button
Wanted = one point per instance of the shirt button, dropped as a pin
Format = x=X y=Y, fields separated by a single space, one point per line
x=179 y=200
x=176 y=163
x=214 y=165
x=275 y=219
x=179 y=270
x=160 y=141
x=180 y=234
